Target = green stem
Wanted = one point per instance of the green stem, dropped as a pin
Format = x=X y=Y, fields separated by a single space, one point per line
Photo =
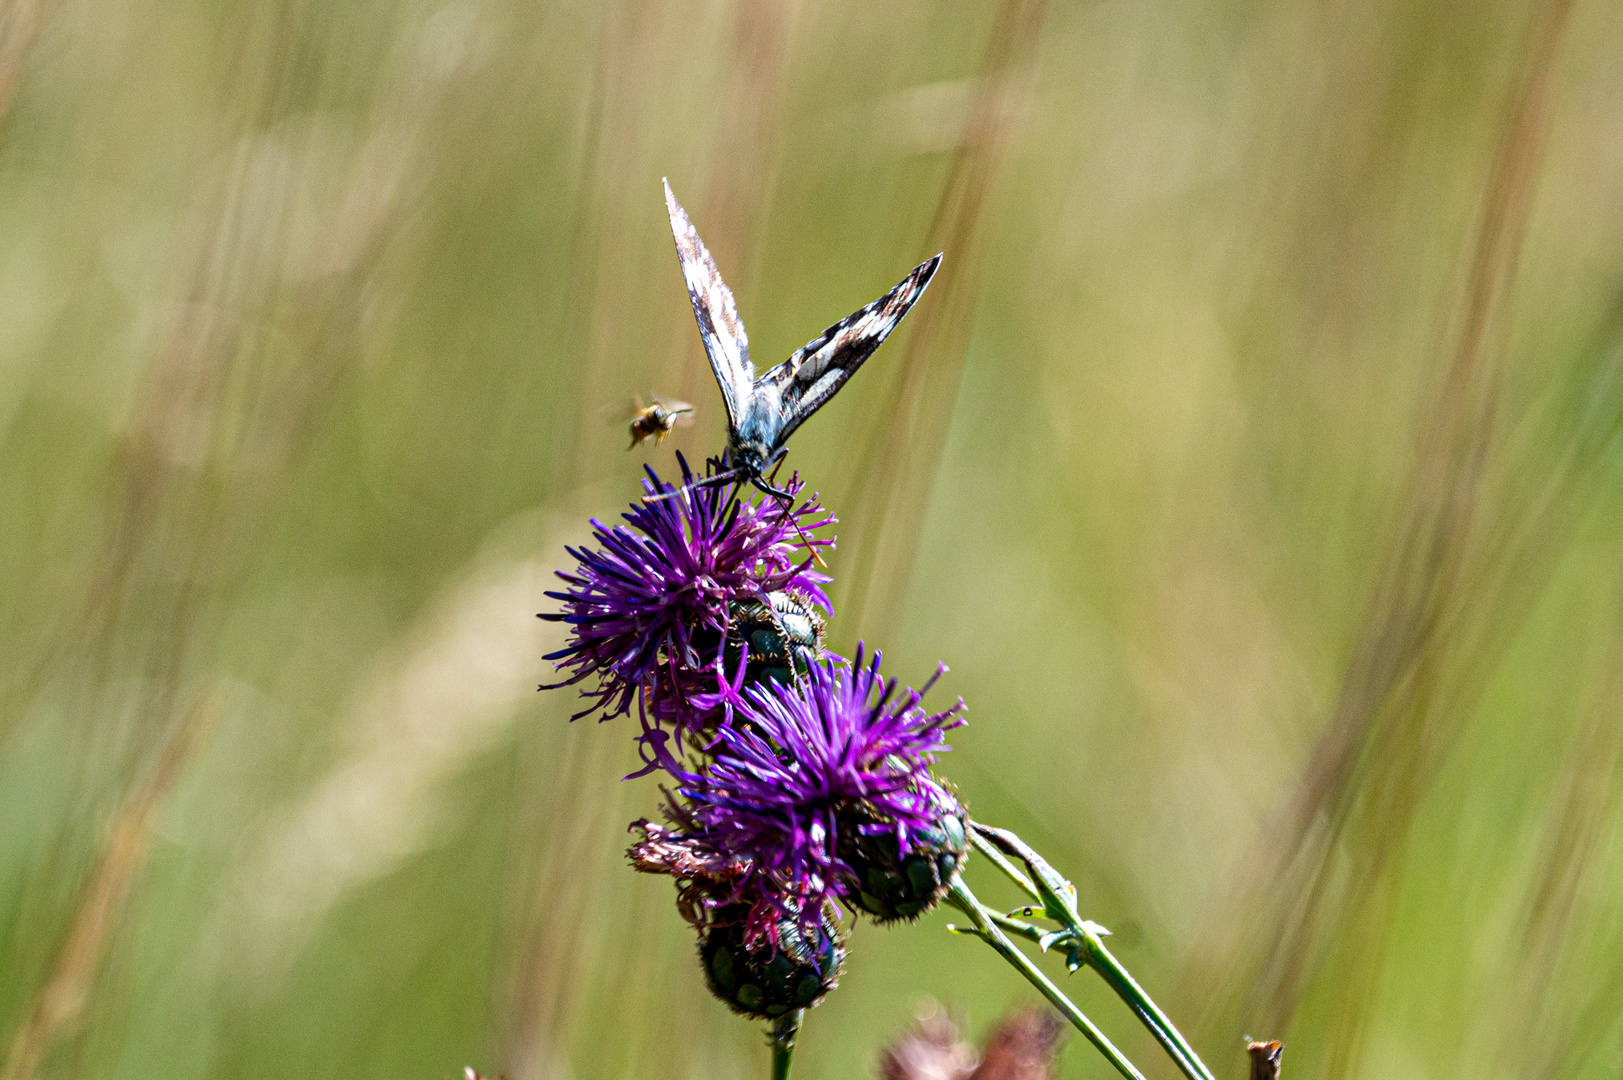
x=784 y=1030
x=965 y=901
x=1014 y=926
x=1150 y=1014
x=1057 y=899
x=985 y=847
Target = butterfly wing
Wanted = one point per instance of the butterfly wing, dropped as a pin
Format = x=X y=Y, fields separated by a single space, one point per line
x=813 y=374
x=719 y=325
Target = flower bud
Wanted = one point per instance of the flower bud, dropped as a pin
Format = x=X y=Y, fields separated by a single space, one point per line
x=892 y=880
x=766 y=981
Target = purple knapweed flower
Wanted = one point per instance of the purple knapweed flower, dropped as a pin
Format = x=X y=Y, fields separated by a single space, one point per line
x=648 y=608
x=809 y=769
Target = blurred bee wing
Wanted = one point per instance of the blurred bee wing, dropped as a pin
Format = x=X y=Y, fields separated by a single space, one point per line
x=722 y=331
x=813 y=374
x=682 y=412
x=619 y=412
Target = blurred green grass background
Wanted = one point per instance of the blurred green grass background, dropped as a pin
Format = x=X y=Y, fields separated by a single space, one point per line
x=1252 y=462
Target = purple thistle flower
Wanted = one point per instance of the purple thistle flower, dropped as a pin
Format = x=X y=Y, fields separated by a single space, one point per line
x=807 y=769
x=648 y=608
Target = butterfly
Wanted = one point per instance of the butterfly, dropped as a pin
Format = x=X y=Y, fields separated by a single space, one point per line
x=763 y=412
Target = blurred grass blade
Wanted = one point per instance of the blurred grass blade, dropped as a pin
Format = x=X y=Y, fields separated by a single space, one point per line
x=902 y=449
x=60 y=1002
x=1408 y=686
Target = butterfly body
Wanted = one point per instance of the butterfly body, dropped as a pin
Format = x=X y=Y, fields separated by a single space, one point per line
x=763 y=412
x=751 y=443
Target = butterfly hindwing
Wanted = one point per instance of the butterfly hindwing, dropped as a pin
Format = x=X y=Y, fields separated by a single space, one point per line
x=814 y=373
x=722 y=331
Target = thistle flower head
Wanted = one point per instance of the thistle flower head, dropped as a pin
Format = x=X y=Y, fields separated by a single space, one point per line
x=836 y=754
x=650 y=602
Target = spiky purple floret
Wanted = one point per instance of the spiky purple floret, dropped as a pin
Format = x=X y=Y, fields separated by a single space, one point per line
x=839 y=750
x=655 y=590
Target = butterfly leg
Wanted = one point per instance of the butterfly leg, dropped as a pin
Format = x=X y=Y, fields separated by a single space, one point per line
x=728 y=477
x=788 y=502
x=777 y=493
x=776 y=463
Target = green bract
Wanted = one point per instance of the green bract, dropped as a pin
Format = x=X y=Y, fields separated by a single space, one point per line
x=892 y=886
x=767 y=982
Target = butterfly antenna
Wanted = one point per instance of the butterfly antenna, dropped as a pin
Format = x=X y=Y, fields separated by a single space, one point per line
x=806 y=540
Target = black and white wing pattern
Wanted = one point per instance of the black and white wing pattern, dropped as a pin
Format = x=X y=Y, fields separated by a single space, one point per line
x=719 y=325
x=813 y=374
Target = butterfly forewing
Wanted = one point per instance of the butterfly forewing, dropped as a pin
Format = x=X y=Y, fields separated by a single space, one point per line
x=813 y=374
x=722 y=330
x=762 y=415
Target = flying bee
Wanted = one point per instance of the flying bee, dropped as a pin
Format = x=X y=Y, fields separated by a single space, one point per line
x=656 y=421
x=763 y=412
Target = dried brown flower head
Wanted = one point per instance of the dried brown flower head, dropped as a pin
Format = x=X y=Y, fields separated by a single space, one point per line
x=1021 y=1047
x=931 y=1051
x=706 y=879
x=1264 y=1059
